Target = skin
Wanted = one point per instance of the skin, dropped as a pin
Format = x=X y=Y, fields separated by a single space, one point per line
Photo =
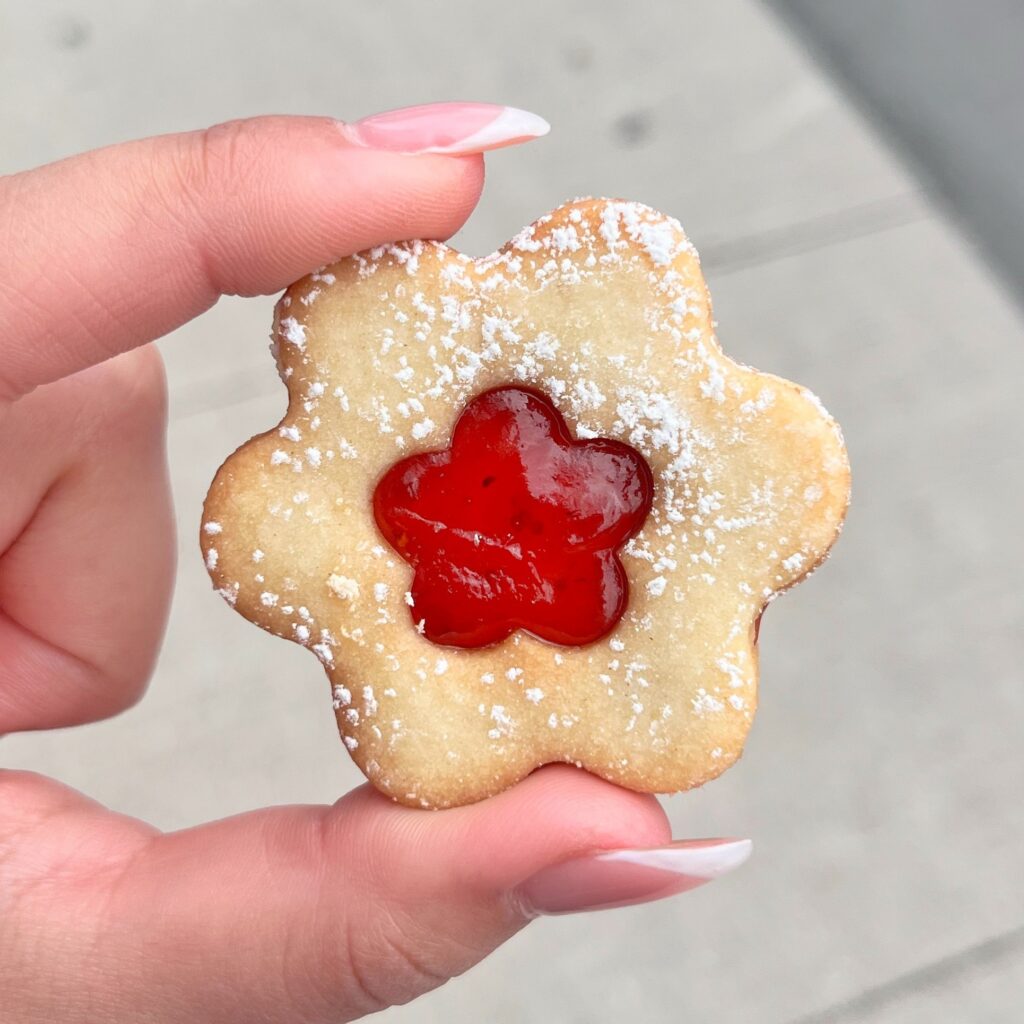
x=298 y=914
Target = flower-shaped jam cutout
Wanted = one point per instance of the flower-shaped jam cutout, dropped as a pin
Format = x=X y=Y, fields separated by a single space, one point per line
x=515 y=526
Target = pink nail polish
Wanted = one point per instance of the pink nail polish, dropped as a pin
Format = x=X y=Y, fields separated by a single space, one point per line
x=622 y=878
x=448 y=128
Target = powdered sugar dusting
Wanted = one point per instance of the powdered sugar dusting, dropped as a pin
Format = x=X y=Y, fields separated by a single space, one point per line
x=718 y=543
x=293 y=332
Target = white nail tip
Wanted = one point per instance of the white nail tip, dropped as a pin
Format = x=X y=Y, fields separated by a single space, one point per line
x=693 y=861
x=511 y=125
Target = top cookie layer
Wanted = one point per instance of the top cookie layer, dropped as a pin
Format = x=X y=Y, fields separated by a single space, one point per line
x=602 y=306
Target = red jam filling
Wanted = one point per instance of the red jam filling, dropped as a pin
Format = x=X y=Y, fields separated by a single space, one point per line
x=516 y=525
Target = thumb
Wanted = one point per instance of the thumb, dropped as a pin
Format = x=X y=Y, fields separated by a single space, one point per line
x=346 y=910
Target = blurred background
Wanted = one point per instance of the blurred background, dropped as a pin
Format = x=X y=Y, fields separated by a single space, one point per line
x=851 y=173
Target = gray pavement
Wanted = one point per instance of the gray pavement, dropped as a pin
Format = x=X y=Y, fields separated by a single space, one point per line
x=945 y=81
x=881 y=778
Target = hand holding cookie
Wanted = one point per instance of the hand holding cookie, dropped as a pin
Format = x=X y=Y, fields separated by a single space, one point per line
x=309 y=913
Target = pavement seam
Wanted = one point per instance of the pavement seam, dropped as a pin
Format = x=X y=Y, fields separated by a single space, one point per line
x=959 y=965
x=820 y=232
x=717 y=258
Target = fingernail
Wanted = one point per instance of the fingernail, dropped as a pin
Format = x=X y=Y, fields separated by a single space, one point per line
x=623 y=878
x=449 y=128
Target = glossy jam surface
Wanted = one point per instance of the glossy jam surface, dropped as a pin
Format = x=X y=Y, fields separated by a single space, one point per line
x=516 y=525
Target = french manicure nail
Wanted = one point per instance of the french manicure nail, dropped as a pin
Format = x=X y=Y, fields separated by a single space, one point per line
x=448 y=128
x=622 y=878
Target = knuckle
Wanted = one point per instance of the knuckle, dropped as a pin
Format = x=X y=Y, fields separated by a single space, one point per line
x=212 y=170
x=84 y=693
x=115 y=691
x=386 y=964
x=361 y=968
x=415 y=971
x=222 y=160
x=371 y=953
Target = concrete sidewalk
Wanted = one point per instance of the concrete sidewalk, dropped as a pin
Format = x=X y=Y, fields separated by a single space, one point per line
x=879 y=784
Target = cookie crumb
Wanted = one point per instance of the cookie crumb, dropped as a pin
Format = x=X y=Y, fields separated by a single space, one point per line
x=342 y=586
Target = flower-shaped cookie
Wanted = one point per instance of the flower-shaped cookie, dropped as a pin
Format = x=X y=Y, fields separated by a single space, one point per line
x=601 y=309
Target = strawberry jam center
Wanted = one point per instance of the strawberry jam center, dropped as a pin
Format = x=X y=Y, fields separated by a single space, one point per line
x=516 y=525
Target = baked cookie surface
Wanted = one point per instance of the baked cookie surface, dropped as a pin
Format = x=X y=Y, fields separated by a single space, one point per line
x=602 y=308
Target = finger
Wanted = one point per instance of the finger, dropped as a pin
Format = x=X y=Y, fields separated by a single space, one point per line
x=315 y=914
x=86 y=544
x=156 y=230
x=105 y=251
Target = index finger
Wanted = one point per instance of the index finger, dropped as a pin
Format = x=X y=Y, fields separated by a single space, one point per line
x=102 y=252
